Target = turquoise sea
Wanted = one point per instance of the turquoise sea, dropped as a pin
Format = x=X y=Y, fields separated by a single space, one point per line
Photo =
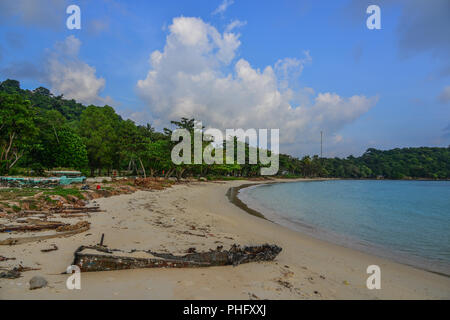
x=407 y=221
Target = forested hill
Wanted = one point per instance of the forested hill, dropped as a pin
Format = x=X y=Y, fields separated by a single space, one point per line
x=432 y=163
x=43 y=99
x=41 y=131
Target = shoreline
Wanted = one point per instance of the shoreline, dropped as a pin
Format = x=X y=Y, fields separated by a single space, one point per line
x=341 y=240
x=200 y=215
x=233 y=192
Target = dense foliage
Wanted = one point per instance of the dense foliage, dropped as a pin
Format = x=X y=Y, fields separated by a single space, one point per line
x=424 y=162
x=41 y=131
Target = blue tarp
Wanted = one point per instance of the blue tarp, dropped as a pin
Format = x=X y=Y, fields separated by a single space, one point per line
x=64 y=181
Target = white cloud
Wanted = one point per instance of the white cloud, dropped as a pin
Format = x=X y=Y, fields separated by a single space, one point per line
x=289 y=69
x=223 y=6
x=235 y=24
x=68 y=75
x=189 y=78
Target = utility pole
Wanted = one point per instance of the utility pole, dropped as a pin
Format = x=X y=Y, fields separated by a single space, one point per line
x=321 y=141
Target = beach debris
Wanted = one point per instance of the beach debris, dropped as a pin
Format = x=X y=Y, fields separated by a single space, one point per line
x=101 y=240
x=152 y=183
x=193 y=234
x=253 y=296
x=51 y=182
x=285 y=284
x=39 y=225
x=21 y=240
x=100 y=258
x=38 y=282
x=81 y=209
x=34 y=225
x=2 y=258
x=10 y=274
x=50 y=249
x=21 y=268
x=72 y=227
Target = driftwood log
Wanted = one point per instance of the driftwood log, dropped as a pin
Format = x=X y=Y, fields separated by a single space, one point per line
x=100 y=258
x=21 y=240
x=33 y=227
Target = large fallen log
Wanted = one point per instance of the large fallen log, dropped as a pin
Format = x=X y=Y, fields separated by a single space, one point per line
x=100 y=258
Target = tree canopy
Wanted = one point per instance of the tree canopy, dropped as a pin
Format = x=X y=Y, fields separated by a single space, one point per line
x=41 y=131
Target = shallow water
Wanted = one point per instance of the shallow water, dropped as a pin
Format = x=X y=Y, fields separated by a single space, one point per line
x=407 y=221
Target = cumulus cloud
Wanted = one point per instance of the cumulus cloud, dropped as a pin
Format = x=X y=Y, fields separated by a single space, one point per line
x=196 y=76
x=68 y=75
x=61 y=69
x=223 y=6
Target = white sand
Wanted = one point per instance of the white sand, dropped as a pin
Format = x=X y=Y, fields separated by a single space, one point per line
x=162 y=220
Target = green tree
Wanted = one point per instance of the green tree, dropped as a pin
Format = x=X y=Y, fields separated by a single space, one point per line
x=17 y=129
x=99 y=129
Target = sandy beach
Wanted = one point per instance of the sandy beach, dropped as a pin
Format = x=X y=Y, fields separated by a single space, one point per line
x=199 y=214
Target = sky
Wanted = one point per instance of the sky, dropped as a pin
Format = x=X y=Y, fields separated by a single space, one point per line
x=299 y=66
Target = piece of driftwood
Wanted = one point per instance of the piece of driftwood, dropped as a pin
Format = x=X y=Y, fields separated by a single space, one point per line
x=27 y=213
x=10 y=274
x=97 y=207
x=77 y=210
x=21 y=240
x=2 y=258
x=62 y=210
x=100 y=258
x=34 y=227
x=55 y=247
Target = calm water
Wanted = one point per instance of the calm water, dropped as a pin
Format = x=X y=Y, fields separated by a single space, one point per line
x=408 y=221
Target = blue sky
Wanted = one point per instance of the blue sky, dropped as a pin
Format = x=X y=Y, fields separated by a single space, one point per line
x=301 y=66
